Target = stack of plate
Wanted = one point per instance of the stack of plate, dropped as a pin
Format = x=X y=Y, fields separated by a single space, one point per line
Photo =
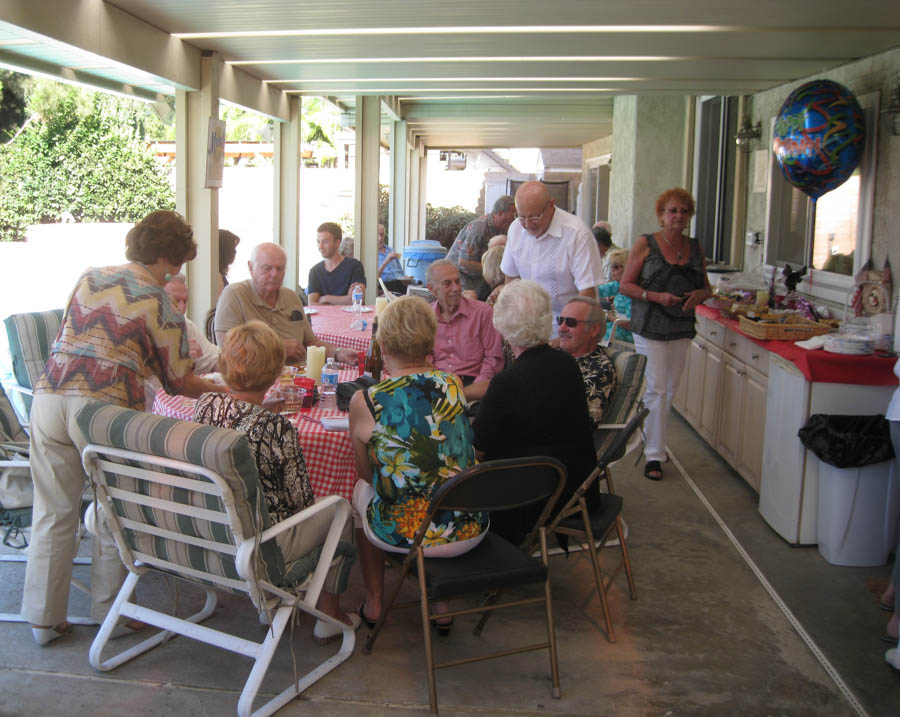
x=853 y=344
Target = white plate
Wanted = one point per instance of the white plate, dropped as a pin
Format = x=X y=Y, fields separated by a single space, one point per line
x=311 y=311
x=365 y=309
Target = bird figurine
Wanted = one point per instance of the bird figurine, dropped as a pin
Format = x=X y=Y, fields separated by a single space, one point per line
x=791 y=277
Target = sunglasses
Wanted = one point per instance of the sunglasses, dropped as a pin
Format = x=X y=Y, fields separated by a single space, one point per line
x=616 y=266
x=571 y=322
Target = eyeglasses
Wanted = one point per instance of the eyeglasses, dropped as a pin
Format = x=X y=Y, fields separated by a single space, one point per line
x=571 y=321
x=677 y=210
x=532 y=220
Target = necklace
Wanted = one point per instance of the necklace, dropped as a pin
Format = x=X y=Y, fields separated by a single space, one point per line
x=671 y=246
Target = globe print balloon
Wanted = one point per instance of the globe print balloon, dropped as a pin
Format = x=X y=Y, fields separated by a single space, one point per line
x=819 y=136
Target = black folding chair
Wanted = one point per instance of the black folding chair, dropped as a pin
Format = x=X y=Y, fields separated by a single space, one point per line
x=495 y=564
x=591 y=527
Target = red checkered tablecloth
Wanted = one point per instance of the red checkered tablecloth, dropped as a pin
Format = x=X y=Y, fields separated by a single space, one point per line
x=332 y=325
x=328 y=454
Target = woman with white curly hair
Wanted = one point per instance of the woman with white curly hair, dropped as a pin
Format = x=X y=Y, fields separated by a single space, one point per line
x=536 y=406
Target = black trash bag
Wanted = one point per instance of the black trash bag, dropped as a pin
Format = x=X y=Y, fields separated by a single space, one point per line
x=346 y=390
x=848 y=441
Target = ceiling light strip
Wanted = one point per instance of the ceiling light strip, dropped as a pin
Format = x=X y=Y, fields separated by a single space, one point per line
x=472 y=30
x=484 y=58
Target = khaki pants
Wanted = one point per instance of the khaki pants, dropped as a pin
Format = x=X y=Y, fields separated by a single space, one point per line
x=59 y=479
x=309 y=535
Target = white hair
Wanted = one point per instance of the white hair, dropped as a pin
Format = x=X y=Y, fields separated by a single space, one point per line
x=265 y=245
x=523 y=315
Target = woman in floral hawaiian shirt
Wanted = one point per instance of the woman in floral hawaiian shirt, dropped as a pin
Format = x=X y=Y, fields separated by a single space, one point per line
x=410 y=434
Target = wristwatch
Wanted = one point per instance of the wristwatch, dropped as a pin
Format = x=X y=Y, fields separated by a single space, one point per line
x=644 y=295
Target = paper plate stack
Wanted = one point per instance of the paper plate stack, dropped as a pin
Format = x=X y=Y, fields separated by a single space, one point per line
x=853 y=344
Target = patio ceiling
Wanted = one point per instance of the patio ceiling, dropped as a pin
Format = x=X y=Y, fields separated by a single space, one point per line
x=506 y=73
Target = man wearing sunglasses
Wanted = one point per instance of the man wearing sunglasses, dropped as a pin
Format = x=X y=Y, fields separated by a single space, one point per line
x=581 y=324
x=552 y=247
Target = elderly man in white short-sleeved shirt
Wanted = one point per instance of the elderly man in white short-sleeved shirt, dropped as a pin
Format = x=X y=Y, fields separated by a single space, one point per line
x=552 y=247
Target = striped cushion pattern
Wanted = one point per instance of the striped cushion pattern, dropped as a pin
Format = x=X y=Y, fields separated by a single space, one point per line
x=625 y=400
x=221 y=450
x=30 y=338
x=10 y=428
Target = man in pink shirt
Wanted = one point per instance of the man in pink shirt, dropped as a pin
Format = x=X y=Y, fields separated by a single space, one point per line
x=466 y=344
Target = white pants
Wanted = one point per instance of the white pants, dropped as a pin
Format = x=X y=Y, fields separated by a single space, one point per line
x=665 y=364
x=59 y=480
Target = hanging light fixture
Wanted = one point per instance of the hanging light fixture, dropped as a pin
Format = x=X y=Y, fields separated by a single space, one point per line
x=747 y=137
x=893 y=110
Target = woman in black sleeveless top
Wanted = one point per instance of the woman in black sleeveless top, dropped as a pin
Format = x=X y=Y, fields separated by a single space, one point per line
x=665 y=278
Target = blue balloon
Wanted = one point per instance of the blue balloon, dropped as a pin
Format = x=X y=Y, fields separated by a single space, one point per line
x=819 y=136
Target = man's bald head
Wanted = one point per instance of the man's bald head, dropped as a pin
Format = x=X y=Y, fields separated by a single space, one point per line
x=534 y=207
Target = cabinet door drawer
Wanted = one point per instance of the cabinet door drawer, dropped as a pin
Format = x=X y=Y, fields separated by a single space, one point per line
x=711 y=331
x=755 y=356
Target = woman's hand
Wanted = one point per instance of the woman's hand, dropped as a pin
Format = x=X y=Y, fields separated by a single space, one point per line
x=695 y=297
x=666 y=299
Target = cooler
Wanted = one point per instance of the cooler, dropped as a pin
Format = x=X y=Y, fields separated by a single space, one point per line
x=418 y=255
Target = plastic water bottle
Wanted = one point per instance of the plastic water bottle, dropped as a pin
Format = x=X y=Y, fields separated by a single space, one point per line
x=357 y=298
x=329 y=382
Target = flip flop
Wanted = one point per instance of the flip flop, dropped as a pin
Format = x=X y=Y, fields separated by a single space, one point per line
x=653 y=467
x=886 y=608
x=888 y=639
x=45 y=635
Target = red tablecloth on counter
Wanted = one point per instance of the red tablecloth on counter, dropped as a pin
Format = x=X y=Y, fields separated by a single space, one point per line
x=332 y=325
x=817 y=364
x=328 y=454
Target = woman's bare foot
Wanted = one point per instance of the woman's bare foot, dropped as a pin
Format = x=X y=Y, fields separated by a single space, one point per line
x=887 y=599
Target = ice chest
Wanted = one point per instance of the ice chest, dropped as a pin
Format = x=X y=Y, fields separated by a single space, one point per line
x=418 y=255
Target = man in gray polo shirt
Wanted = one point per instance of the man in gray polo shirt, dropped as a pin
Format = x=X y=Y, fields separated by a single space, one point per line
x=263 y=297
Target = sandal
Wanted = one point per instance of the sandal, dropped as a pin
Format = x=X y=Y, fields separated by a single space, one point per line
x=442 y=626
x=45 y=635
x=653 y=470
x=362 y=613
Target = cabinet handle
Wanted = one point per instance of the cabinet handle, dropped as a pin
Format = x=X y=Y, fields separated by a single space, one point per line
x=755 y=357
x=733 y=344
x=713 y=333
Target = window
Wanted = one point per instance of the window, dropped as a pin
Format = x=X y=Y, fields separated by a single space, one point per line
x=714 y=181
x=832 y=236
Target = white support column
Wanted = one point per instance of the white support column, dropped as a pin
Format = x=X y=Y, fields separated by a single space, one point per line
x=399 y=184
x=199 y=205
x=412 y=207
x=368 y=135
x=286 y=194
x=422 y=158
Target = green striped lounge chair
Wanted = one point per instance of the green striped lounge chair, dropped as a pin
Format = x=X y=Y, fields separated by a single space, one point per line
x=30 y=338
x=184 y=499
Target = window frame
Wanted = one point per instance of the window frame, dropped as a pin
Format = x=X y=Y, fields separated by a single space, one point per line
x=827 y=285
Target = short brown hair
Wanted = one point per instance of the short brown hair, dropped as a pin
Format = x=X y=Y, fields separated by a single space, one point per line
x=331 y=228
x=251 y=357
x=228 y=242
x=162 y=234
x=677 y=193
x=406 y=329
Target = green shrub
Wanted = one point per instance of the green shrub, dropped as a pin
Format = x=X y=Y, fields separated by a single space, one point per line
x=442 y=224
x=85 y=156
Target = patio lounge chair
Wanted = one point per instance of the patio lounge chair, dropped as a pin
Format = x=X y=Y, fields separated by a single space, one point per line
x=185 y=500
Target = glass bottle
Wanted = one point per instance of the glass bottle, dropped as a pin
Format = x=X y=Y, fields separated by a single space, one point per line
x=374 y=357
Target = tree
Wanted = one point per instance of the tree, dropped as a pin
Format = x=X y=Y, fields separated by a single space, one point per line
x=82 y=154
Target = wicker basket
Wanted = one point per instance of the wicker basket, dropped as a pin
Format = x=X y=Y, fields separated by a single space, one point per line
x=782 y=332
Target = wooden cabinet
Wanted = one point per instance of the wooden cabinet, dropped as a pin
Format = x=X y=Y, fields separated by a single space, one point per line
x=723 y=396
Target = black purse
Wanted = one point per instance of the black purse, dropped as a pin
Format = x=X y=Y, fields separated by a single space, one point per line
x=346 y=390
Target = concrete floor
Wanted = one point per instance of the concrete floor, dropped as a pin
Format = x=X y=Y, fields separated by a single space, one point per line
x=704 y=636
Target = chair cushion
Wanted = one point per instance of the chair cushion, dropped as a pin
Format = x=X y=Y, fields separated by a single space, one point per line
x=10 y=428
x=30 y=337
x=625 y=400
x=222 y=450
x=602 y=516
x=494 y=563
